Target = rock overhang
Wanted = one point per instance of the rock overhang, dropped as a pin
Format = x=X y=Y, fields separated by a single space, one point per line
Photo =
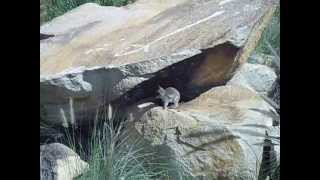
x=207 y=49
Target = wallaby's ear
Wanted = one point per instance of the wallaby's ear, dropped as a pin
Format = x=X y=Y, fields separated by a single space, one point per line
x=160 y=90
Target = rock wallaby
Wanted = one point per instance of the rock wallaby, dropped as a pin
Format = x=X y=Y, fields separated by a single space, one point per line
x=169 y=95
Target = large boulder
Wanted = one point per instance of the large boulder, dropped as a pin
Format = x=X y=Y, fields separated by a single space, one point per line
x=58 y=162
x=217 y=135
x=99 y=54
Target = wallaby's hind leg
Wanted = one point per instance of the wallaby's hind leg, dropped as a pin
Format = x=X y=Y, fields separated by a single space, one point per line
x=165 y=104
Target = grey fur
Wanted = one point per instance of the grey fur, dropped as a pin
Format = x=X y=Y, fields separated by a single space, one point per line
x=169 y=95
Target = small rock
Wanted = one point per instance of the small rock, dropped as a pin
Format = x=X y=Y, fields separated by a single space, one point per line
x=58 y=162
x=255 y=77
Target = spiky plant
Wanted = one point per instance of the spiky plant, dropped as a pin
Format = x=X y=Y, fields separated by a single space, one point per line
x=109 y=153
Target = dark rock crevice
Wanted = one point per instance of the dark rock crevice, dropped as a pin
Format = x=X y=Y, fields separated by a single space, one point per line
x=45 y=36
x=191 y=77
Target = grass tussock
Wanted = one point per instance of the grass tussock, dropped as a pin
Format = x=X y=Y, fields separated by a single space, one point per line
x=269 y=44
x=111 y=157
x=112 y=152
x=271 y=36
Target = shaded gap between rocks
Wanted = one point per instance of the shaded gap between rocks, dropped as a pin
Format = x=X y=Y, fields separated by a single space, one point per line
x=191 y=77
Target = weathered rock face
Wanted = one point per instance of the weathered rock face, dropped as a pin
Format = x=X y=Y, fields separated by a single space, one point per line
x=259 y=78
x=216 y=135
x=99 y=54
x=58 y=162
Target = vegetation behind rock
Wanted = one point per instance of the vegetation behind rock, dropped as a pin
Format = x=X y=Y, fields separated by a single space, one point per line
x=50 y=9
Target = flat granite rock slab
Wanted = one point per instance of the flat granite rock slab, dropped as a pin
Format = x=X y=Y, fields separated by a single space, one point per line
x=92 y=35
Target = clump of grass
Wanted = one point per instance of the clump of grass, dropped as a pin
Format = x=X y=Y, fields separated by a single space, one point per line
x=271 y=35
x=269 y=47
x=50 y=9
x=113 y=154
x=111 y=150
x=111 y=157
